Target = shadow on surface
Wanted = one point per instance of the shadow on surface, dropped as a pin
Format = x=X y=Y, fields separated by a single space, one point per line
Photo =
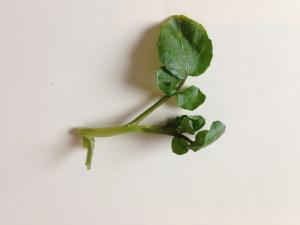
x=66 y=146
x=141 y=74
x=144 y=62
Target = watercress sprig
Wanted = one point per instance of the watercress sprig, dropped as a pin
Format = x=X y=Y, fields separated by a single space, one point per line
x=184 y=50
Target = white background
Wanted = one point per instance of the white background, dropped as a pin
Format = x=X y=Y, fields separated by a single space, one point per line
x=92 y=63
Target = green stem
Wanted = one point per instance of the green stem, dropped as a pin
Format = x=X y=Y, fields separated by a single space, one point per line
x=148 y=111
x=88 y=134
x=118 y=130
x=143 y=115
x=106 y=131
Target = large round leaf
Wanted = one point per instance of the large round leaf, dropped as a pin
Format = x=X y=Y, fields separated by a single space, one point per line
x=184 y=47
x=190 y=98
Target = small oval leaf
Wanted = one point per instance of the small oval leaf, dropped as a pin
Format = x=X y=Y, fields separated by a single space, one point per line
x=184 y=47
x=198 y=122
x=179 y=146
x=190 y=98
x=186 y=125
x=166 y=81
x=216 y=129
x=206 y=137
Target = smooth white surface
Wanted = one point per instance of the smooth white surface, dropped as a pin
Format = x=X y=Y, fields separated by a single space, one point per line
x=91 y=62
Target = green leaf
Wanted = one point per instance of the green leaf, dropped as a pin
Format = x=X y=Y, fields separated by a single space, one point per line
x=216 y=130
x=166 y=81
x=190 y=124
x=190 y=98
x=206 y=137
x=88 y=144
x=198 y=122
x=184 y=47
x=179 y=146
x=186 y=124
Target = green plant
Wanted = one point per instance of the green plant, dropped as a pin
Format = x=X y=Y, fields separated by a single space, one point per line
x=185 y=50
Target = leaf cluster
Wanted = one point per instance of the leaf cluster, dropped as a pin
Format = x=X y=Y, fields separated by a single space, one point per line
x=184 y=50
x=184 y=126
